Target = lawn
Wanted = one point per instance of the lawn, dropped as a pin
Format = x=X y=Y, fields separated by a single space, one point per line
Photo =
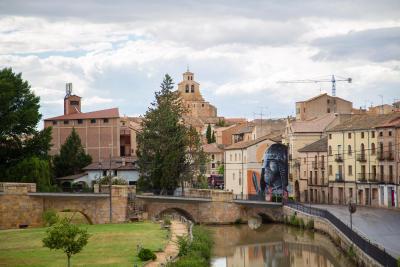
x=109 y=245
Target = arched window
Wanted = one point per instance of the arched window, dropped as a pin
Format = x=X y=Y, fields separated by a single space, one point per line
x=187 y=88
x=192 y=88
x=362 y=149
x=349 y=150
x=373 y=149
x=330 y=150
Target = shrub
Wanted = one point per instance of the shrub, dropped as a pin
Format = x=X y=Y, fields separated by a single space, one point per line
x=146 y=254
x=167 y=220
x=398 y=262
x=50 y=217
x=183 y=244
x=310 y=224
x=350 y=252
x=293 y=220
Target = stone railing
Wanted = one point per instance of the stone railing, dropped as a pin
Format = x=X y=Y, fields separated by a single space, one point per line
x=17 y=188
x=214 y=195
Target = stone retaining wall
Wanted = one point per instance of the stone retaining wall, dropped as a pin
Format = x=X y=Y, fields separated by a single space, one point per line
x=323 y=225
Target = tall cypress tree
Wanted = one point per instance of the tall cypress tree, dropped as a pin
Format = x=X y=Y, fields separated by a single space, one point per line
x=213 y=140
x=162 y=141
x=72 y=157
x=208 y=134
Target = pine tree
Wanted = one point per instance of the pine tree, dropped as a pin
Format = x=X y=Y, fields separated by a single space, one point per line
x=208 y=134
x=162 y=142
x=213 y=140
x=72 y=157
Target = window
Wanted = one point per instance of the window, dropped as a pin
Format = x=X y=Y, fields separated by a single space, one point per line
x=54 y=122
x=230 y=157
x=212 y=156
x=328 y=101
x=351 y=192
x=330 y=170
x=80 y=121
x=213 y=165
x=235 y=157
x=373 y=149
x=297 y=110
x=187 y=88
x=105 y=120
x=349 y=150
x=192 y=88
x=305 y=174
x=330 y=136
x=104 y=173
x=202 y=105
x=305 y=160
x=322 y=175
x=350 y=170
x=362 y=134
x=390 y=133
x=330 y=150
x=349 y=135
x=373 y=134
x=304 y=110
x=74 y=103
x=93 y=121
x=328 y=110
x=66 y=122
x=380 y=133
x=115 y=172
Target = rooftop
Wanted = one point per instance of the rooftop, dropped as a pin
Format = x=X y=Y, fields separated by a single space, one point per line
x=321 y=95
x=212 y=148
x=319 y=146
x=316 y=125
x=365 y=121
x=245 y=144
x=116 y=164
x=99 y=114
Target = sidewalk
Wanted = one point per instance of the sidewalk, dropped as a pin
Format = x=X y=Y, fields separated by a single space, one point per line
x=381 y=226
x=171 y=250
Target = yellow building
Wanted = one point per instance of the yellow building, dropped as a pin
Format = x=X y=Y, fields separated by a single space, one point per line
x=352 y=160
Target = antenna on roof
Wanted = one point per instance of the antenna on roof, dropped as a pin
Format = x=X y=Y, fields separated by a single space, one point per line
x=68 y=89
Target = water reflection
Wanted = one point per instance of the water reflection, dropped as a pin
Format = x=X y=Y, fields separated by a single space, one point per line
x=273 y=245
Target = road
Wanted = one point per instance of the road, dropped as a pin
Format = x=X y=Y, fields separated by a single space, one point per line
x=381 y=226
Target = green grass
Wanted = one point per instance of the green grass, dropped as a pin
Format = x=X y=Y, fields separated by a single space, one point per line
x=109 y=245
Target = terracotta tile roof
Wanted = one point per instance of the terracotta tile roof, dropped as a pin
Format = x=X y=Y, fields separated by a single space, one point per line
x=319 y=146
x=245 y=144
x=72 y=177
x=391 y=123
x=116 y=164
x=365 y=121
x=316 y=125
x=320 y=95
x=243 y=128
x=99 y=114
x=212 y=148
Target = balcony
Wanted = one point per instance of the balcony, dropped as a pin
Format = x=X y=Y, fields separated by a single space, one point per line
x=385 y=178
x=361 y=157
x=314 y=165
x=389 y=156
x=362 y=177
x=380 y=156
x=339 y=158
x=321 y=165
x=339 y=177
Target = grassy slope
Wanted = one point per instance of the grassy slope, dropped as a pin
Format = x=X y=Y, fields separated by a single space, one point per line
x=109 y=245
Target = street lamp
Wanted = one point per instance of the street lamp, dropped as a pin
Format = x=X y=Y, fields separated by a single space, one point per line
x=352 y=209
x=110 y=184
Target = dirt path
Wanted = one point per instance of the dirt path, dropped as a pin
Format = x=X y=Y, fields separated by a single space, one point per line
x=171 y=250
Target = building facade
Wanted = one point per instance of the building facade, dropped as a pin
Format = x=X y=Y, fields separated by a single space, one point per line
x=321 y=105
x=215 y=156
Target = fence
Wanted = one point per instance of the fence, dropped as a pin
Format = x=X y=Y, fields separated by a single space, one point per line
x=375 y=252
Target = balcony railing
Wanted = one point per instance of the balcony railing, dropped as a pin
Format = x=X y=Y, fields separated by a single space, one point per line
x=367 y=177
x=385 y=155
x=389 y=156
x=339 y=158
x=385 y=178
x=380 y=156
x=361 y=157
x=339 y=177
x=314 y=165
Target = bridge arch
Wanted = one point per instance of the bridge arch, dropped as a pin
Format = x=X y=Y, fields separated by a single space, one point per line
x=83 y=213
x=265 y=217
x=179 y=211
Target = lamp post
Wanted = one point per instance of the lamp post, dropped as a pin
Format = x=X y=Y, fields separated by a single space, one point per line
x=110 y=185
x=352 y=209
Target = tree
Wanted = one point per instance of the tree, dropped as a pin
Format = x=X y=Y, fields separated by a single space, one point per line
x=208 y=134
x=72 y=157
x=19 y=116
x=162 y=141
x=213 y=139
x=221 y=169
x=66 y=236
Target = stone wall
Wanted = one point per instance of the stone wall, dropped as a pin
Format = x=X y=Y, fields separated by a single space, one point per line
x=337 y=236
x=20 y=205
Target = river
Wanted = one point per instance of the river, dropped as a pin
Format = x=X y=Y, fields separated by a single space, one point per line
x=273 y=245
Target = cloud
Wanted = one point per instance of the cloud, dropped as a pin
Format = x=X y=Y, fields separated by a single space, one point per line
x=375 y=44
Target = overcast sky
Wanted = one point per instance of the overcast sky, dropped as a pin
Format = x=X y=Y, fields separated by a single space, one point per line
x=116 y=52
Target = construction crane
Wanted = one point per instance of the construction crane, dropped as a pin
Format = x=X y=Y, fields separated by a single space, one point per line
x=333 y=80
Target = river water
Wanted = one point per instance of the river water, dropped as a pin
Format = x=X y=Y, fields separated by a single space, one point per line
x=273 y=245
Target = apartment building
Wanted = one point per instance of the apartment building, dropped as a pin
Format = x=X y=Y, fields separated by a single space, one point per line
x=215 y=155
x=388 y=157
x=353 y=164
x=313 y=173
x=321 y=105
x=243 y=164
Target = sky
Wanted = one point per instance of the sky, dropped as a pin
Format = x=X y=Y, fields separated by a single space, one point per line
x=116 y=52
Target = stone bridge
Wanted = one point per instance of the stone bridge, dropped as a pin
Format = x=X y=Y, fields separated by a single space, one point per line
x=209 y=207
x=21 y=205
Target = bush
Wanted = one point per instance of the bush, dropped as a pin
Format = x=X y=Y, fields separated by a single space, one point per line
x=350 y=252
x=398 y=262
x=50 y=217
x=301 y=223
x=166 y=220
x=115 y=181
x=310 y=224
x=293 y=220
x=146 y=254
x=197 y=253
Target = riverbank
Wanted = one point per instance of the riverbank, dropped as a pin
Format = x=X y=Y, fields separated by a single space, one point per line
x=171 y=250
x=109 y=245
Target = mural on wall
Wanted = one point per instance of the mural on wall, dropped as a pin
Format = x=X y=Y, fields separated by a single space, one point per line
x=276 y=171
